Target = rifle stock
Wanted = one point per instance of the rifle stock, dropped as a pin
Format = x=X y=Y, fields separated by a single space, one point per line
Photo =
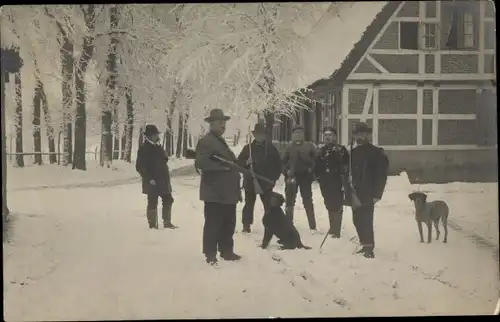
x=256 y=185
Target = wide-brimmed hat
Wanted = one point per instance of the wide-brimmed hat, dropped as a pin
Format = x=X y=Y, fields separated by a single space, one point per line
x=216 y=115
x=151 y=129
x=259 y=128
x=362 y=127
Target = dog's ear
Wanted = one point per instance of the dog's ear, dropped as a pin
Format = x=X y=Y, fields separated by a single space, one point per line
x=411 y=196
x=424 y=197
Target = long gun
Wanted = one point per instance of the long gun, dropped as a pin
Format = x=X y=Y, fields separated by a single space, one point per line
x=256 y=185
x=191 y=154
x=355 y=202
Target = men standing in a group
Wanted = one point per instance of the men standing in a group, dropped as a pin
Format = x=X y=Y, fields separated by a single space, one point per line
x=264 y=159
x=369 y=167
x=332 y=166
x=298 y=161
x=219 y=189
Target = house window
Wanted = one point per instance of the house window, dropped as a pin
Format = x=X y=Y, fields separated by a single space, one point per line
x=462 y=30
x=430 y=36
x=408 y=35
x=468 y=33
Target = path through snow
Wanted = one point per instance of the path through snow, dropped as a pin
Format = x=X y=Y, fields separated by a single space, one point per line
x=83 y=254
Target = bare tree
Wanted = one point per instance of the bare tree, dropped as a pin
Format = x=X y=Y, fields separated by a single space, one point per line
x=89 y=15
x=111 y=84
x=129 y=130
x=37 y=138
x=19 y=120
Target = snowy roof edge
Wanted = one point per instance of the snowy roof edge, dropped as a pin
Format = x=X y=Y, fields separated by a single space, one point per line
x=339 y=75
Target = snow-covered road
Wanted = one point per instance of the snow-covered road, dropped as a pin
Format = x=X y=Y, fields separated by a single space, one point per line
x=87 y=254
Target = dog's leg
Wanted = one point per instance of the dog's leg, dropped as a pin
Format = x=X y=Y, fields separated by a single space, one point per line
x=436 y=225
x=429 y=232
x=420 y=231
x=445 y=225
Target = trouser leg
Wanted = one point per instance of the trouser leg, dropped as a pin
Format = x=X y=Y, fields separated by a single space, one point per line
x=305 y=186
x=152 y=210
x=248 y=209
x=226 y=233
x=211 y=229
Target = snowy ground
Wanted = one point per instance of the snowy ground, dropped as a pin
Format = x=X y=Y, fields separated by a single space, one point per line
x=35 y=177
x=80 y=254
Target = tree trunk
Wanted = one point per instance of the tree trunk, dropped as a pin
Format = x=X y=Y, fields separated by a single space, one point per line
x=180 y=131
x=111 y=66
x=37 y=138
x=129 y=126
x=123 y=142
x=67 y=97
x=185 y=135
x=168 y=137
x=81 y=99
x=19 y=120
x=5 y=209
x=116 y=141
x=48 y=125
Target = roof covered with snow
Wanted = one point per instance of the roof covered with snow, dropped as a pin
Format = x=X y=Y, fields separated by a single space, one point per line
x=337 y=43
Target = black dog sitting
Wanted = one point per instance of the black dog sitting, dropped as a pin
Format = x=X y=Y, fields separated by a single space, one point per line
x=276 y=223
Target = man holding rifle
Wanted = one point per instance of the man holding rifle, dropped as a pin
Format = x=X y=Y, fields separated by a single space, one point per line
x=219 y=189
x=262 y=158
x=367 y=179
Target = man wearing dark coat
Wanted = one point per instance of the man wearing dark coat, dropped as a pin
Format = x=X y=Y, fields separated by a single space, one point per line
x=264 y=159
x=331 y=170
x=369 y=167
x=298 y=168
x=152 y=165
x=219 y=189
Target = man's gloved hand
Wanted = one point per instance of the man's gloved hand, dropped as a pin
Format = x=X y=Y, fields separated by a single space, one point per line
x=152 y=182
x=289 y=173
x=249 y=161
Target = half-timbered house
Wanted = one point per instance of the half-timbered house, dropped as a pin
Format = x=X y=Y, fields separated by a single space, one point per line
x=423 y=75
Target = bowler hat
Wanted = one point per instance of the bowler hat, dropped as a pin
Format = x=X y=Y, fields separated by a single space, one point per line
x=330 y=129
x=216 y=115
x=362 y=127
x=259 y=128
x=151 y=129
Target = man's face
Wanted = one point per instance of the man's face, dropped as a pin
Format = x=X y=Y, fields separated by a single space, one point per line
x=329 y=137
x=259 y=137
x=362 y=137
x=155 y=137
x=298 y=135
x=218 y=127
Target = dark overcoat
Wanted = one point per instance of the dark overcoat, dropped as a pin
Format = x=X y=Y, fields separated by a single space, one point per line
x=369 y=172
x=152 y=164
x=266 y=162
x=219 y=183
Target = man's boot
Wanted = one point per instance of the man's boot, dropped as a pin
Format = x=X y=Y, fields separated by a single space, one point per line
x=152 y=215
x=167 y=217
x=230 y=256
x=311 y=218
x=246 y=229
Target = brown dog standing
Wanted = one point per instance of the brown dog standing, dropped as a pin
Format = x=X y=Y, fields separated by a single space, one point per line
x=428 y=213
